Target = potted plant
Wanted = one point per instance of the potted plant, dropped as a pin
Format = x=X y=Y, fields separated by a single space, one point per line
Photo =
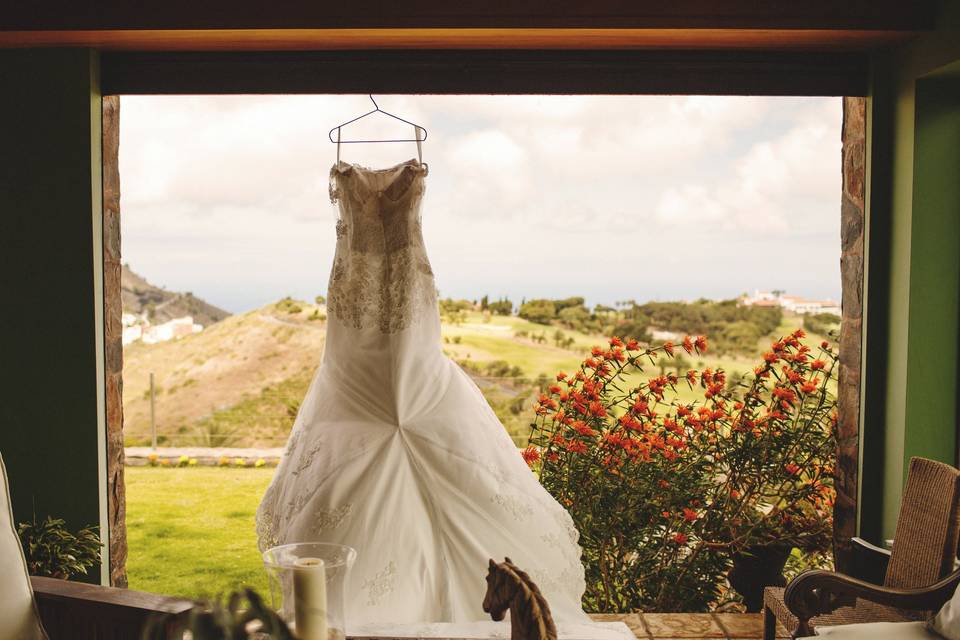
x=672 y=479
x=52 y=550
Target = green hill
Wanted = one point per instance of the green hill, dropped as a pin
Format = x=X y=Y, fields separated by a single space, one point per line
x=240 y=381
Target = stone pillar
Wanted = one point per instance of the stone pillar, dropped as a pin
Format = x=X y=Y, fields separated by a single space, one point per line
x=113 y=342
x=851 y=271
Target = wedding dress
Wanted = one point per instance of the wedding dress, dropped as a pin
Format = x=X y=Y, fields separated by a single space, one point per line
x=394 y=451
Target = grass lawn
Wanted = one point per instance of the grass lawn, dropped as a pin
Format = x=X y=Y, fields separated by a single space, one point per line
x=191 y=532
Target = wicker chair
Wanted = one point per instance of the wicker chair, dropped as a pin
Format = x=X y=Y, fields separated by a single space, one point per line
x=917 y=571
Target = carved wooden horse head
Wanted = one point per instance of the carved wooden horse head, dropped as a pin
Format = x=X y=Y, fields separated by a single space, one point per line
x=510 y=588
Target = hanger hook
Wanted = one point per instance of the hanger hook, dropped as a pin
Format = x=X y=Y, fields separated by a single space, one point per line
x=375 y=105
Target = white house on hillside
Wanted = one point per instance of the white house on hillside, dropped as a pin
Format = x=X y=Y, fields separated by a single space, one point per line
x=796 y=304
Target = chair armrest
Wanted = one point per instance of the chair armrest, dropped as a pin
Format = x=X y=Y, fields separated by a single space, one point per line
x=869 y=562
x=814 y=593
x=86 y=611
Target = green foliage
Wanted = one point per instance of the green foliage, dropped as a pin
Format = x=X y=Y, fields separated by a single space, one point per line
x=540 y=311
x=733 y=328
x=665 y=490
x=289 y=305
x=52 y=550
x=254 y=415
x=320 y=300
x=574 y=317
x=224 y=620
x=501 y=307
x=822 y=323
x=455 y=311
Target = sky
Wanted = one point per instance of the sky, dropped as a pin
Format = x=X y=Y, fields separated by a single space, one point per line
x=607 y=197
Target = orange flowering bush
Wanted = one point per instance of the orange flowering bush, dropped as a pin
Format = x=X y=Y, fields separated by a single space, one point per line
x=668 y=476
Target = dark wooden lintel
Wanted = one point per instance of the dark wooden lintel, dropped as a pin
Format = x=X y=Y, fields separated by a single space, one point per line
x=493 y=72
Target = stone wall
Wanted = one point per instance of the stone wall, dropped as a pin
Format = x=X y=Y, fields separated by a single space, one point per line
x=113 y=346
x=851 y=271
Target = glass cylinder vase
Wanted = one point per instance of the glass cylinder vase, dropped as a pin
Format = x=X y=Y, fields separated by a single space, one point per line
x=308 y=587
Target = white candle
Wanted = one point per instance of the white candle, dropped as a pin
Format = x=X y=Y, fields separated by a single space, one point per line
x=310 y=599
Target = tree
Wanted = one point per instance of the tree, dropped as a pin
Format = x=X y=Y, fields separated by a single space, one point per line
x=541 y=311
x=502 y=307
x=320 y=300
x=484 y=302
x=574 y=317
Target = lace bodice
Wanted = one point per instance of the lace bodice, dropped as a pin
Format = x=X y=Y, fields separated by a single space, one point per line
x=381 y=276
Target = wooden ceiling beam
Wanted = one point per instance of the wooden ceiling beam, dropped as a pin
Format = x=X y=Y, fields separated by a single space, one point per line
x=121 y=15
x=347 y=39
x=494 y=72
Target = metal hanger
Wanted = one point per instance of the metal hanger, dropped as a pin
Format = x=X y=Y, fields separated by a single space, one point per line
x=376 y=109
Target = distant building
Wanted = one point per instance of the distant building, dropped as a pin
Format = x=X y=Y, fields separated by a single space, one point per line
x=138 y=328
x=795 y=304
x=131 y=334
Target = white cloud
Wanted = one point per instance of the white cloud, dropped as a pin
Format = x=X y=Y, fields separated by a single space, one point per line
x=227 y=195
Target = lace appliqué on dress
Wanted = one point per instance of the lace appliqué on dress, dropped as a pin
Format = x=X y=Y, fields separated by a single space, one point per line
x=514 y=504
x=330 y=519
x=381 y=276
x=380 y=584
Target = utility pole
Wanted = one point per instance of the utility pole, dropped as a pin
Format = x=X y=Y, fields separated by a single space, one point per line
x=153 y=420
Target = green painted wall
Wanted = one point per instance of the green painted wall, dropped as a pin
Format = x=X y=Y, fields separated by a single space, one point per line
x=913 y=269
x=51 y=430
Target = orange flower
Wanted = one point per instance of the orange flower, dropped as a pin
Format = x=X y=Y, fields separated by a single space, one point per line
x=689 y=514
x=734 y=494
x=664 y=485
x=818 y=364
x=530 y=455
x=770 y=357
x=825 y=345
x=561 y=376
x=692 y=377
x=810 y=385
x=632 y=345
x=700 y=344
x=583 y=428
x=680 y=538
x=665 y=514
x=799 y=333
x=596 y=409
x=616 y=342
x=791 y=468
x=576 y=446
x=688 y=344
x=668 y=348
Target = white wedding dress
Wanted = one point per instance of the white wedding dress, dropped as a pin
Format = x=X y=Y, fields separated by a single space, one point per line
x=395 y=452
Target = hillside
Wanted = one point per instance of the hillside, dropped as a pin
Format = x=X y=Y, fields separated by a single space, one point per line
x=240 y=382
x=160 y=305
x=237 y=382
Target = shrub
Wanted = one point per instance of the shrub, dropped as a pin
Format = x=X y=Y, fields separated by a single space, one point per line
x=822 y=323
x=289 y=305
x=539 y=311
x=663 y=491
x=502 y=307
